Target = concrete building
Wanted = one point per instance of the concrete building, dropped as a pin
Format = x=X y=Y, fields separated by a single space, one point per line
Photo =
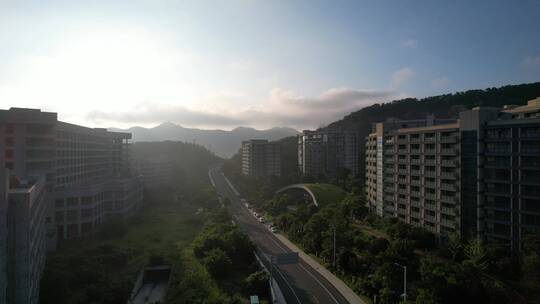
x=327 y=153
x=57 y=181
x=261 y=158
x=4 y=188
x=478 y=176
x=26 y=239
x=86 y=170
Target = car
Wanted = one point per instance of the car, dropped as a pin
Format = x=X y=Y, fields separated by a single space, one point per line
x=274 y=229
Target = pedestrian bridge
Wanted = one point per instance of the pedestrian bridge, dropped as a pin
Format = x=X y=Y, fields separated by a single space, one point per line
x=321 y=194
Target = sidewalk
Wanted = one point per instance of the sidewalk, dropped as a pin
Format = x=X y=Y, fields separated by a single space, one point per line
x=350 y=295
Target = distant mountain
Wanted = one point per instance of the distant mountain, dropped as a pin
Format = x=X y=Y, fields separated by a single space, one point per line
x=223 y=143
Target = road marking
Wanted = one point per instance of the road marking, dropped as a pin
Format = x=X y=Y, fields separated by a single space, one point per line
x=283 y=277
x=315 y=278
x=289 y=285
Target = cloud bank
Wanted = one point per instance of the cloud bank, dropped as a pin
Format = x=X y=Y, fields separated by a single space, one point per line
x=280 y=108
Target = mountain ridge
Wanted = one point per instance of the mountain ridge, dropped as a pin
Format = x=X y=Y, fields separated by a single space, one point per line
x=222 y=142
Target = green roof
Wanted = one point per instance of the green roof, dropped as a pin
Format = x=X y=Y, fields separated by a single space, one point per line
x=327 y=193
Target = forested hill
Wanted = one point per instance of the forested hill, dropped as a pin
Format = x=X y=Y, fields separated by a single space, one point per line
x=442 y=106
x=189 y=161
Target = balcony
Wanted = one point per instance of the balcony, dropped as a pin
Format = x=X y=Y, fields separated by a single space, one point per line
x=431 y=218
x=430 y=161
x=416 y=214
x=389 y=208
x=449 y=162
x=415 y=182
x=389 y=198
x=416 y=161
x=430 y=173
x=402 y=151
x=416 y=151
x=390 y=170
x=403 y=191
x=416 y=193
x=449 y=187
x=450 y=151
x=448 y=199
x=402 y=180
x=430 y=196
x=448 y=223
x=430 y=151
x=402 y=160
x=449 y=139
x=432 y=185
x=389 y=179
x=449 y=211
x=389 y=160
x=416 y=172
x=416 y=203
x=389 y=151
x=402 y=171
x=450 y=175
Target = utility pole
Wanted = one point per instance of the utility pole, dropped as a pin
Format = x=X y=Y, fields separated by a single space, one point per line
x=404 y=281
x=334 y=246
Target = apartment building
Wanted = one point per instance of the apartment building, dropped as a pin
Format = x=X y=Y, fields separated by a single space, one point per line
x=261 y=158
x=328 y=153
x=4 y=188
x=478 y=176
x=86 y=170
x=26 y=239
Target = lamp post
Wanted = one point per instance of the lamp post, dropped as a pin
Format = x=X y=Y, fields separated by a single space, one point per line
x=404 y=280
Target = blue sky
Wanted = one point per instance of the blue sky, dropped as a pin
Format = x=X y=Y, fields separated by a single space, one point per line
x=220 y=64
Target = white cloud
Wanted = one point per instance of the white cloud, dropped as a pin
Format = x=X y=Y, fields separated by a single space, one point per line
x=402 y=76
x=280 y=108
x=410 y=43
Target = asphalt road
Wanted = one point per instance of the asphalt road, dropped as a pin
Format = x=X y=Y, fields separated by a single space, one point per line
x=299 y=283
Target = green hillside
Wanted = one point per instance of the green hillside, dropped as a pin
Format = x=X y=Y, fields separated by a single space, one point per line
x=442 y=106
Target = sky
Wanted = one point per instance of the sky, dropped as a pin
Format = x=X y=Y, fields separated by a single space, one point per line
x=223 y=64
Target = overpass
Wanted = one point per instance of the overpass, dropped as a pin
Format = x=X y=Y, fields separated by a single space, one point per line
x=321 y=194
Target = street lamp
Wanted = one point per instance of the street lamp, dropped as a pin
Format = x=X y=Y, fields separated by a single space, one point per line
x=404 y=280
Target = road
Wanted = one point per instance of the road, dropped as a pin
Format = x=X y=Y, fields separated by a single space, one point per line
x=299 y=283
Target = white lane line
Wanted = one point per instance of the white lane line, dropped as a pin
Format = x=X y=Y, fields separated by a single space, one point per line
x=322 y=285
x=211 y=179
x=279 y=271
x=315 y=278
x=289 y=285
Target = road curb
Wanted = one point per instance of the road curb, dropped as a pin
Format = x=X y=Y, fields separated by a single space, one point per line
x=345 y=290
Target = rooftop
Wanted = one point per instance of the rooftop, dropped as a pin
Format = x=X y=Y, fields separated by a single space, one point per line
x=532 y=106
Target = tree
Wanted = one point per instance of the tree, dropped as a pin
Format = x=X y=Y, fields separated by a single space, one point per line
x=257 y=283
x=217 y=262
x=476 y=254
x=426 y=296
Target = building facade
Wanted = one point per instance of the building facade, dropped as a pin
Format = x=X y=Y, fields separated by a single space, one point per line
x=26 y=239
x=478 y=176
x=261 y=158
x=328 y=153
x=57 y=181
x=87 y=171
